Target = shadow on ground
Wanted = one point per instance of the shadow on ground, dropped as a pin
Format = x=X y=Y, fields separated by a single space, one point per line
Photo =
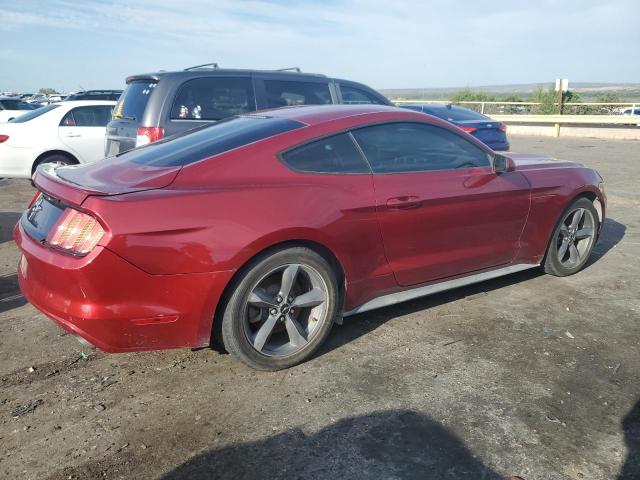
x=7 y=221
x=389 y=444
x=631 y=429
x=10 y=296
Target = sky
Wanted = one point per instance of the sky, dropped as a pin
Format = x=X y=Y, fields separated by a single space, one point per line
x=89 y=44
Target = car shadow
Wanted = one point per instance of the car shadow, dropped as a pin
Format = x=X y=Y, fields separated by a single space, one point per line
x=10 y=296
x=612 y=234
x=631 y=429
x=7 y=221
x=386 y=444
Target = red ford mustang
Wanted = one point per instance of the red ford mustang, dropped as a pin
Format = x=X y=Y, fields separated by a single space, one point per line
x=261 y=231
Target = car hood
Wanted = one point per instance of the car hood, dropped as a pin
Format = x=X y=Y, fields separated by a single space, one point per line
x=530 y=161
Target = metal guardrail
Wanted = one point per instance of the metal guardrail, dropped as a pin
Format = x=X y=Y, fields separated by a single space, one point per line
x=532 y=108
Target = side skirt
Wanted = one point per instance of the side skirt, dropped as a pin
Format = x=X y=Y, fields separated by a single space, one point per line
x=398 y=297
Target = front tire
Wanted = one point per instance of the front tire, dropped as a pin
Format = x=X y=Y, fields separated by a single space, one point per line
x=573 y=239
x=281 y=309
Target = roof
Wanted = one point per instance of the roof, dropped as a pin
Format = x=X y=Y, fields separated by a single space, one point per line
x=316 y=114
x=223 y=72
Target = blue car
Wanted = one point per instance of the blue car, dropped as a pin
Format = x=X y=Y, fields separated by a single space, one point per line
x=489 y=132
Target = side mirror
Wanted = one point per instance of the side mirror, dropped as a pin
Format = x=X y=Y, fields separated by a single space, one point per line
x=502 y=164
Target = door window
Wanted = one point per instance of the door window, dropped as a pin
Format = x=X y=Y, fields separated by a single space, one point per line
x=95 y=116
x=335 y=154
x=355 y=96
x=214 y=98
x=287 y=93
x=417 y=147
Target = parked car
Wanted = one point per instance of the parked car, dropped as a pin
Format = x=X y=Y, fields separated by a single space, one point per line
x=95 y=95
x=160 y=104
x=61 y=133
x=488 y=131
x=262 y=230
x=11 y=107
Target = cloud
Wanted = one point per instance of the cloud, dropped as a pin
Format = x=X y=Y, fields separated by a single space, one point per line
x=387 y=44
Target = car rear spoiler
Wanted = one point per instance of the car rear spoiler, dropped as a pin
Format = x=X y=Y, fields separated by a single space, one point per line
x=147 y=77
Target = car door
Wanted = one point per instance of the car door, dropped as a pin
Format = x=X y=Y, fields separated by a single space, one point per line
x=82 y=129
x=442 y=209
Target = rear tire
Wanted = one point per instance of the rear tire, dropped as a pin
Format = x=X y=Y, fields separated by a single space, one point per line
x=55 y=158
x=573 y=239
x=280 y=310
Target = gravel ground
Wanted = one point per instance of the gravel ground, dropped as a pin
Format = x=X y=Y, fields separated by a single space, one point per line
x=526 y=375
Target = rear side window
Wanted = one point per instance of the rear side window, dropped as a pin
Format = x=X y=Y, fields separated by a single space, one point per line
x=356 y=96
x=134 y=100
x=96 y=116
x=213 y=98
x=417 y=147
x=335 y=154
x=285 y=93
x=25 y=117
x=204 y=142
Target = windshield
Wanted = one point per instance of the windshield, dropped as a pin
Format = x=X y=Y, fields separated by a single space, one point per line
x=25 y=117
x=134 y=100
x=209 y=140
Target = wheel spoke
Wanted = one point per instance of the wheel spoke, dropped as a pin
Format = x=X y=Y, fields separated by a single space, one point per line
x=312 y=298
x=264 y=333
x=563 y=249
x=574 y=254
x=577 y=216
x=297 y=335
x=288 y=277
x=564 y=231
x=259 y=298
x=585 y=232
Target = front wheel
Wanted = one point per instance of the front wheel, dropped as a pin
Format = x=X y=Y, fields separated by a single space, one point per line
x=573 y=239
x=281 y=309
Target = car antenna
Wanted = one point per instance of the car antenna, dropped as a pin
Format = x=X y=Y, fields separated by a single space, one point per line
x=204 y=66
x=289 y=69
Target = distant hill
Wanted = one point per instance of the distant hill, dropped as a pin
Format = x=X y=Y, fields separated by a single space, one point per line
x=627 y=92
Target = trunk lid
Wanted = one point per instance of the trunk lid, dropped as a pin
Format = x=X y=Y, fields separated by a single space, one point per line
x=486 y=131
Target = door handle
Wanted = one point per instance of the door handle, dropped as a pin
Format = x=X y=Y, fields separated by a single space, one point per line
x=404 y=202
x=73 y=135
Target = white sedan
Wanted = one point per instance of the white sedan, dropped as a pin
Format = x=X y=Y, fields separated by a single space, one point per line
x=68 y=133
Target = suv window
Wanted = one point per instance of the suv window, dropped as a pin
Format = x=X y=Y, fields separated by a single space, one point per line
x=96 y=116
x=355 y=96
x=286 y=93
x=16 y=105
x=335 y=154
x=133 y=100
x=209 y=140
x=213 y=98
x=417 y=147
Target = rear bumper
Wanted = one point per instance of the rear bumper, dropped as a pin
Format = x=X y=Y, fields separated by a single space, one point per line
x=114 y=305
x=499 y=146
x=15 y=162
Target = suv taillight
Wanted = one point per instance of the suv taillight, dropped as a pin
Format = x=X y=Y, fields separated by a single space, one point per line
x=146 y=135
x=76 y=232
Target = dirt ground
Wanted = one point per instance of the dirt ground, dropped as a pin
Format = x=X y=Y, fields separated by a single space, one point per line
x=526 y=375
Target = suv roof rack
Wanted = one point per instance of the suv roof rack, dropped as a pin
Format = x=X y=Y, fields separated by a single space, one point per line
x=289 y=69
x=204 y=66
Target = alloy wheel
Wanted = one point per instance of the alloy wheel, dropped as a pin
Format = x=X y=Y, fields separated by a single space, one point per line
x=285 y=309
x=575 y=237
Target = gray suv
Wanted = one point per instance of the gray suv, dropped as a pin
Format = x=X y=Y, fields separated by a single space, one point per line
x=157 y=105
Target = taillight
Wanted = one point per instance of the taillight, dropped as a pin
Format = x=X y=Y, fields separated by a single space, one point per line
x=75 y=232
x=468 y=129
x=503 y=127
x=146 y=135
x=4 y=138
